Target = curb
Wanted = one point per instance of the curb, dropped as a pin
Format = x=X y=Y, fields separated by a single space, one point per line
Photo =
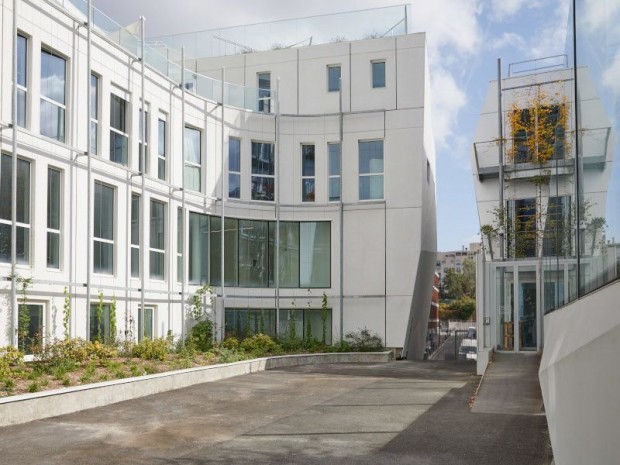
x=39 y=405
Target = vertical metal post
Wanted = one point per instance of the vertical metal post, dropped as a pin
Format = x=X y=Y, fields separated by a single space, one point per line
x=223 y=183
x=277 y=242
x=89 y=175
x=406 y=21
x=183 y=242
x=143 y=243
x=341 y=209
x=500 y=126
x=578 y=190
x=15 y=309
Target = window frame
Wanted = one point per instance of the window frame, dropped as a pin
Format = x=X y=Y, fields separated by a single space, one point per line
x=331 y=88
x=231 y=171
x=156 y=250
x=47 y=50
x=23 y=88
x=119 y=132
x=371 y=173
x=330 y=175
x=264 y=93
x=191 y=164
x=27 y=227
x=257 y=176
x=94 y=114
x=49 y=229
x=375 y=84
x=308 y=196
x=113 y=229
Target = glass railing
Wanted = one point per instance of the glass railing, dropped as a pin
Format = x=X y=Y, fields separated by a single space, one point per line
x=165 y=60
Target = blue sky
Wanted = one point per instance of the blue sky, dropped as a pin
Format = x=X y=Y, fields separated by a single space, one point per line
x=465 y=38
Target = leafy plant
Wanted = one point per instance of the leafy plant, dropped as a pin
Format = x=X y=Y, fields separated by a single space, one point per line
x=259 y=345
x=99 y=317
x=364 y=341
x=324 y=316
x=66 y=314
x=230 y=343
x=201 y=335
x=155 y=349
x=196 y=311
x=113 y=321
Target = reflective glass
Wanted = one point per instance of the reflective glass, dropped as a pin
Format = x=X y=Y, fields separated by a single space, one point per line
x=315 y=254
x=289 y=254
x=198 y=248
x=53 y=77
x=378 y=74
x=333 y=78
x=253 y=253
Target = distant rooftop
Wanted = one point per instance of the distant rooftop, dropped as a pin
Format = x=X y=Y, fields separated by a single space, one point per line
x=311 y=30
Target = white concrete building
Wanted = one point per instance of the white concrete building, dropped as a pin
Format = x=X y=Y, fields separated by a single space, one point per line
x=327 y=186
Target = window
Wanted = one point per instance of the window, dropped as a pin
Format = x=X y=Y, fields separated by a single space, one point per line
x=314 y=254
x=135 y=235
x=22 y=79
x=231 y=251
x=253 y=253
x=193 y=159
x=307 y=173
x=289 y=254
x=257 y=320
x=22 y=213
x=29 y=326
x=144 y=126
x=145 y=321
x=333 y=150
x=557 y=240
x=234 y=168
x=103 y=233
x=53 y=218
x=263 y=169
x=158 y=240
x=523 y=238
x=180 y=244
x=371 y=170
x=119 y=137
x=378 y=74
x=53 y=90
x=538 y=134
x=100 y=323
x=333 y=78
x=161 y=148
x=198 y=248
x=94 y=114
x=264 y=92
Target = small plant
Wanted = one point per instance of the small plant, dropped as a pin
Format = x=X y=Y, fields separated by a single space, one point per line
x=9 y=384
x=259 y=345
x=364 y=341
x=66 y=314
x=196 y=311
x=34 y=387
x=9 y=357
x=148 y=349
x=66 y=381
x=201 y=336
x=112 y=338
x=324 y=316
x=230 y=343
x=99 y=317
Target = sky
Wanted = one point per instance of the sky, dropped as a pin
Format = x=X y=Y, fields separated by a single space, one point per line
x=464 y=40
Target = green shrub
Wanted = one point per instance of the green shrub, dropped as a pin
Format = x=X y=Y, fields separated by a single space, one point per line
x=99 y=351
x=364 y=341
x=151 y=349
x=230 y=356
x=9 y=384
x=231 y=343
x=33 y=387
x=260 y=344
x=74 y=350
x=201 y=336
x=9 y=356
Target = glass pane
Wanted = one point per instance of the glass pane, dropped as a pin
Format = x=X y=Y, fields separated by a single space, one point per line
x=94 y=97
x=527 y=308
x=94 y=138
x=100 y=323
x=147 y=329
x=135 y=262
x=22 y=61
x=161 y=138
x=192 y=178
x=264 y=92
x=53 y=199
x=198 y=248
x=291 y=324
x=262 y=188
x=237 y=321
x=118 y=148
x=5 y=243
x=378 y=74
x=307 y=190
x=505 y=298
x=231 y=256
x=525 y=228
x=289 y=254
x=371 y=157
x=135 y=219
x=234 y=186
x=23 y=189
x=333 y=78
x=253 y=253
x=156 y=262
x=234 y=155
x=161 y=169
x=334 y=158
x=30 y=326
x=316 y=322
x=23 y=244
x=103 y=260
x=315 y=254
x=334 y=189
x=118 y=113
x=104 y=212
x=53 y=250
x=263 y=161
x=157 y=225
x=52 y=121
x=371 y=187
x=53 y=77
x=21 y=108
x=192 y=145
x=307 y=160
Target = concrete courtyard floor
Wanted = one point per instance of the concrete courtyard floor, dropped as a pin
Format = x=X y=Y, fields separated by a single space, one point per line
x=396 y=413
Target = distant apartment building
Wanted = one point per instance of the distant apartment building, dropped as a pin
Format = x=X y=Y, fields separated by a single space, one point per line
x=453 y=260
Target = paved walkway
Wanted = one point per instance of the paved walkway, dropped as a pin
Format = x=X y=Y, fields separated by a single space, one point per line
x=395 y=413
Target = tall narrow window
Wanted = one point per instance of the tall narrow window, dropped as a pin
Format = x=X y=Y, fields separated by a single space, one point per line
x=264 y=92
x=145 y=320
x=333 y=78
x=22 y=213
x=161 y=148
x=143 y=141
x=158 y=240
x=234 y=168
x=179 y=244
x=253 y=253
x=198 y=248
x=53 y=218
x=22 y=79
x=100 y=323
x=307 y=173
x=94 y=114
x=135 y=235
x=263 y=169
x=119 y=137
x=103 y=232
x=30 y=326
x=371 y=170
x=53 y=95
x=378 y=74
x=314 y=254
x=193 y=159
x=334 y=171
x=524 y=218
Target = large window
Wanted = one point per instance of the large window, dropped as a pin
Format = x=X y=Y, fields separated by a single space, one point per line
x=22 y=212
x=146 y=322
x=135 y=235
x=333 y=150
x=161 y=148
x=231 y=243
x=307 y=173
x=538 y=133
x=378 y=74
x=29 y=327
x=22 y=79
x=143 y=142
x=53 y=218
x=264 y=92
x=119 y=137
x=333 y=78
x=100 y=323
x=557 y=241
x=94 y=114
x=234 y=168
x=371 y=170
x=244 y=322
x=198 y=248
x=253 y=253
x=103 y=233
x=288 y=251
x=523 y=237
x=314 y=254
x=193 y=159
x=53 y=95
x=158 y=240
x=263 y=170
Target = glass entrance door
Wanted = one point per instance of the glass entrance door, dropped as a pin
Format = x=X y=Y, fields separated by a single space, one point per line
x=527 y=308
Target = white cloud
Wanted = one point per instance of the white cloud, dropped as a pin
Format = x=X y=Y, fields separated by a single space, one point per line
x=597 y=14
x=551 y=40
x=611 y=76
x=448 y=99
x=508 y=39
x=502 y=10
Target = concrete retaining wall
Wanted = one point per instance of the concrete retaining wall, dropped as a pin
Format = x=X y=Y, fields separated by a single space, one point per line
x=39 y=405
